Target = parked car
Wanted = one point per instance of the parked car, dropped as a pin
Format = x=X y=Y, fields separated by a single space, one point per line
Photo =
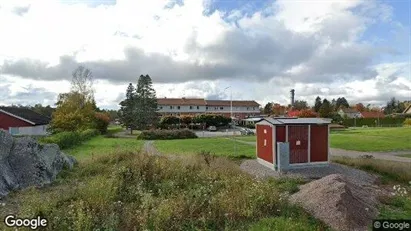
x=246 y=131
x=212 y=128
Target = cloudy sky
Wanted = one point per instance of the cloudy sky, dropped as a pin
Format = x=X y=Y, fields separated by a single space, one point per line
x=261 y=48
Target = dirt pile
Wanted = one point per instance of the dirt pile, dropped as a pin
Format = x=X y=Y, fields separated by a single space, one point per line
x=338 y=202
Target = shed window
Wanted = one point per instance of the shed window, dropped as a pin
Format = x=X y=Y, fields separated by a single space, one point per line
x=265 y=142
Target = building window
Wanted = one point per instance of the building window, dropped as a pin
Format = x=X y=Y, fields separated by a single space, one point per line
x=253 y=108
x=265 y=142
x=215 y=108
x=221 y=108
x=161 y=107
x=198 y=107
x=191 y=107
x=178 y=107
x=171 y=107
x=206 y=108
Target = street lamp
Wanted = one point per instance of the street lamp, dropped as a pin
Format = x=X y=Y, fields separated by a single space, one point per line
x=231 y=102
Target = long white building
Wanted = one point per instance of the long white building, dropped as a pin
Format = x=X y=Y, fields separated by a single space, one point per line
x=193 y=106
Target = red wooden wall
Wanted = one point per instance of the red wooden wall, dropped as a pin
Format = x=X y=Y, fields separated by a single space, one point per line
x=319 y=143
x=7 y=121
x=265 y=152
x=298 y=152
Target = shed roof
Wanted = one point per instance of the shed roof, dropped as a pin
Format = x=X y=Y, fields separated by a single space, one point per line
x=294 y=120
x=27 y=115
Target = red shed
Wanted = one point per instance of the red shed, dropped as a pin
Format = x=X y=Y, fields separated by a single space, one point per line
x=308 y=140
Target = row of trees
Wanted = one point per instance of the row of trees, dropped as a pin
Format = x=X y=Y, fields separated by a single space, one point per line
x=139 y=109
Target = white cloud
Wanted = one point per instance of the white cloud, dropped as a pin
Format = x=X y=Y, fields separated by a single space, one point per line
x=315 y=47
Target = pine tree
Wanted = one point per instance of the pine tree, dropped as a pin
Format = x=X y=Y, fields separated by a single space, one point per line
x=146 y=103
x=318 y=104
x=325 y=109
x=127 y=112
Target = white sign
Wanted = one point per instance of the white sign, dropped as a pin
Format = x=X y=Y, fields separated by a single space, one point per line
x=298 y=142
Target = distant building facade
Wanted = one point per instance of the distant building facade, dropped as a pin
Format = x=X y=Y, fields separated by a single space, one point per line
x=241 y=109
x=349 y=113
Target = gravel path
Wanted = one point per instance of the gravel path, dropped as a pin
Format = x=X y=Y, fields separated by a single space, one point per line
x=359 y=177
x=354 y=154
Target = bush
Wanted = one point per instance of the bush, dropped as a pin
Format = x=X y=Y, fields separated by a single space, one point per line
x=69 y=139
x=166 y=134
x=407 y=122
x=371 y=122
x=102 y=120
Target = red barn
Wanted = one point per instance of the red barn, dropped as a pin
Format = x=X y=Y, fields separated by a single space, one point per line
x=308 y=140
x=23 y=121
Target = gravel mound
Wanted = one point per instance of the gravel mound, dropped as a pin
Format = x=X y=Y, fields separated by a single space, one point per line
x=338 y=202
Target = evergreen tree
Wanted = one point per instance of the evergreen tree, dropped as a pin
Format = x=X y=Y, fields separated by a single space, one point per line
x=300 y=105
x=342 y=103
x=318 y=104
x=145 y=103
x=127 y=112
x=325 y=109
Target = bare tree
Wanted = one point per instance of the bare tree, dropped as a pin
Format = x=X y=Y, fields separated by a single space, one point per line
x=82 y=82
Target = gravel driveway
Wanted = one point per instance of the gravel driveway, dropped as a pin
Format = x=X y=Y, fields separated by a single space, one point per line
x=357 y=176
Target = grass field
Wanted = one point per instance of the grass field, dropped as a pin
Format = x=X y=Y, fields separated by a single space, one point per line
x=406 y=155
x=367 y=140
x=373 y=139
x=133 y=191
x=217 y=146
x=102 y=145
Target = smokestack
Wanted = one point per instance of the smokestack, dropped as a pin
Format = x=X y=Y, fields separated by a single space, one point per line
x=292 y=96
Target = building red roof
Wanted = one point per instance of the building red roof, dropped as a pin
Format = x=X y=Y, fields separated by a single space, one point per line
x=372 y=114
x=181 y=101
x=236 y=103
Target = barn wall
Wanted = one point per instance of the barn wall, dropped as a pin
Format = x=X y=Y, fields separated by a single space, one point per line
x=265 y=152
x=7 y=121
x=319 y=143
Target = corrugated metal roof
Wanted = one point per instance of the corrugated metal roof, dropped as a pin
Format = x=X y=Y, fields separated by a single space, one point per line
x=284 y=121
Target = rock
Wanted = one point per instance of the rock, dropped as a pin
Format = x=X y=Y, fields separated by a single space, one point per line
x=25 y=163
x=338 y=202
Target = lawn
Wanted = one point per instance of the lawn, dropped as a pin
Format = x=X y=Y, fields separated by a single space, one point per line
x=372 y=139
x=216 y=146
x=102 y=145
x=405 y=155
x=246 y=138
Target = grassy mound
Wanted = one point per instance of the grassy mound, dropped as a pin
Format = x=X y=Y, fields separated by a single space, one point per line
x=127 y=191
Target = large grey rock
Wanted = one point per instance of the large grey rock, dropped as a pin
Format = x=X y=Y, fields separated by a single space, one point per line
x=24 y=163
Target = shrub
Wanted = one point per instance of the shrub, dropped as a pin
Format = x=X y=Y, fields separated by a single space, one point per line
x=166 y=134
x=102 y=120
x=407 y=122
x=69 y=139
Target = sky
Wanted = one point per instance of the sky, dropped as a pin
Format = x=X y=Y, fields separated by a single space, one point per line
x=260 y=49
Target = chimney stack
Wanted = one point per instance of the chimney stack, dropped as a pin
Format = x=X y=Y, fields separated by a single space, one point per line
x=292 y=97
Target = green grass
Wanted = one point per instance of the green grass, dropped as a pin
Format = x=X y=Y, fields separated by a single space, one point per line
x=101 y=145
x=216 y=146
x=246 y=138
x=405 y=155
x=397 y=207
x=390 y=171
x=372 y=139
x=133 y=191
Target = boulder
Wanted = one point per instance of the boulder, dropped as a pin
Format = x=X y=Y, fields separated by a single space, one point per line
x=25 y=163
x=338 y=202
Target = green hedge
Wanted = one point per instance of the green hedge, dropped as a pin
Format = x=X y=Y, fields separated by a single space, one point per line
x=69 y=139
x=166 y=135
x=370 y=122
